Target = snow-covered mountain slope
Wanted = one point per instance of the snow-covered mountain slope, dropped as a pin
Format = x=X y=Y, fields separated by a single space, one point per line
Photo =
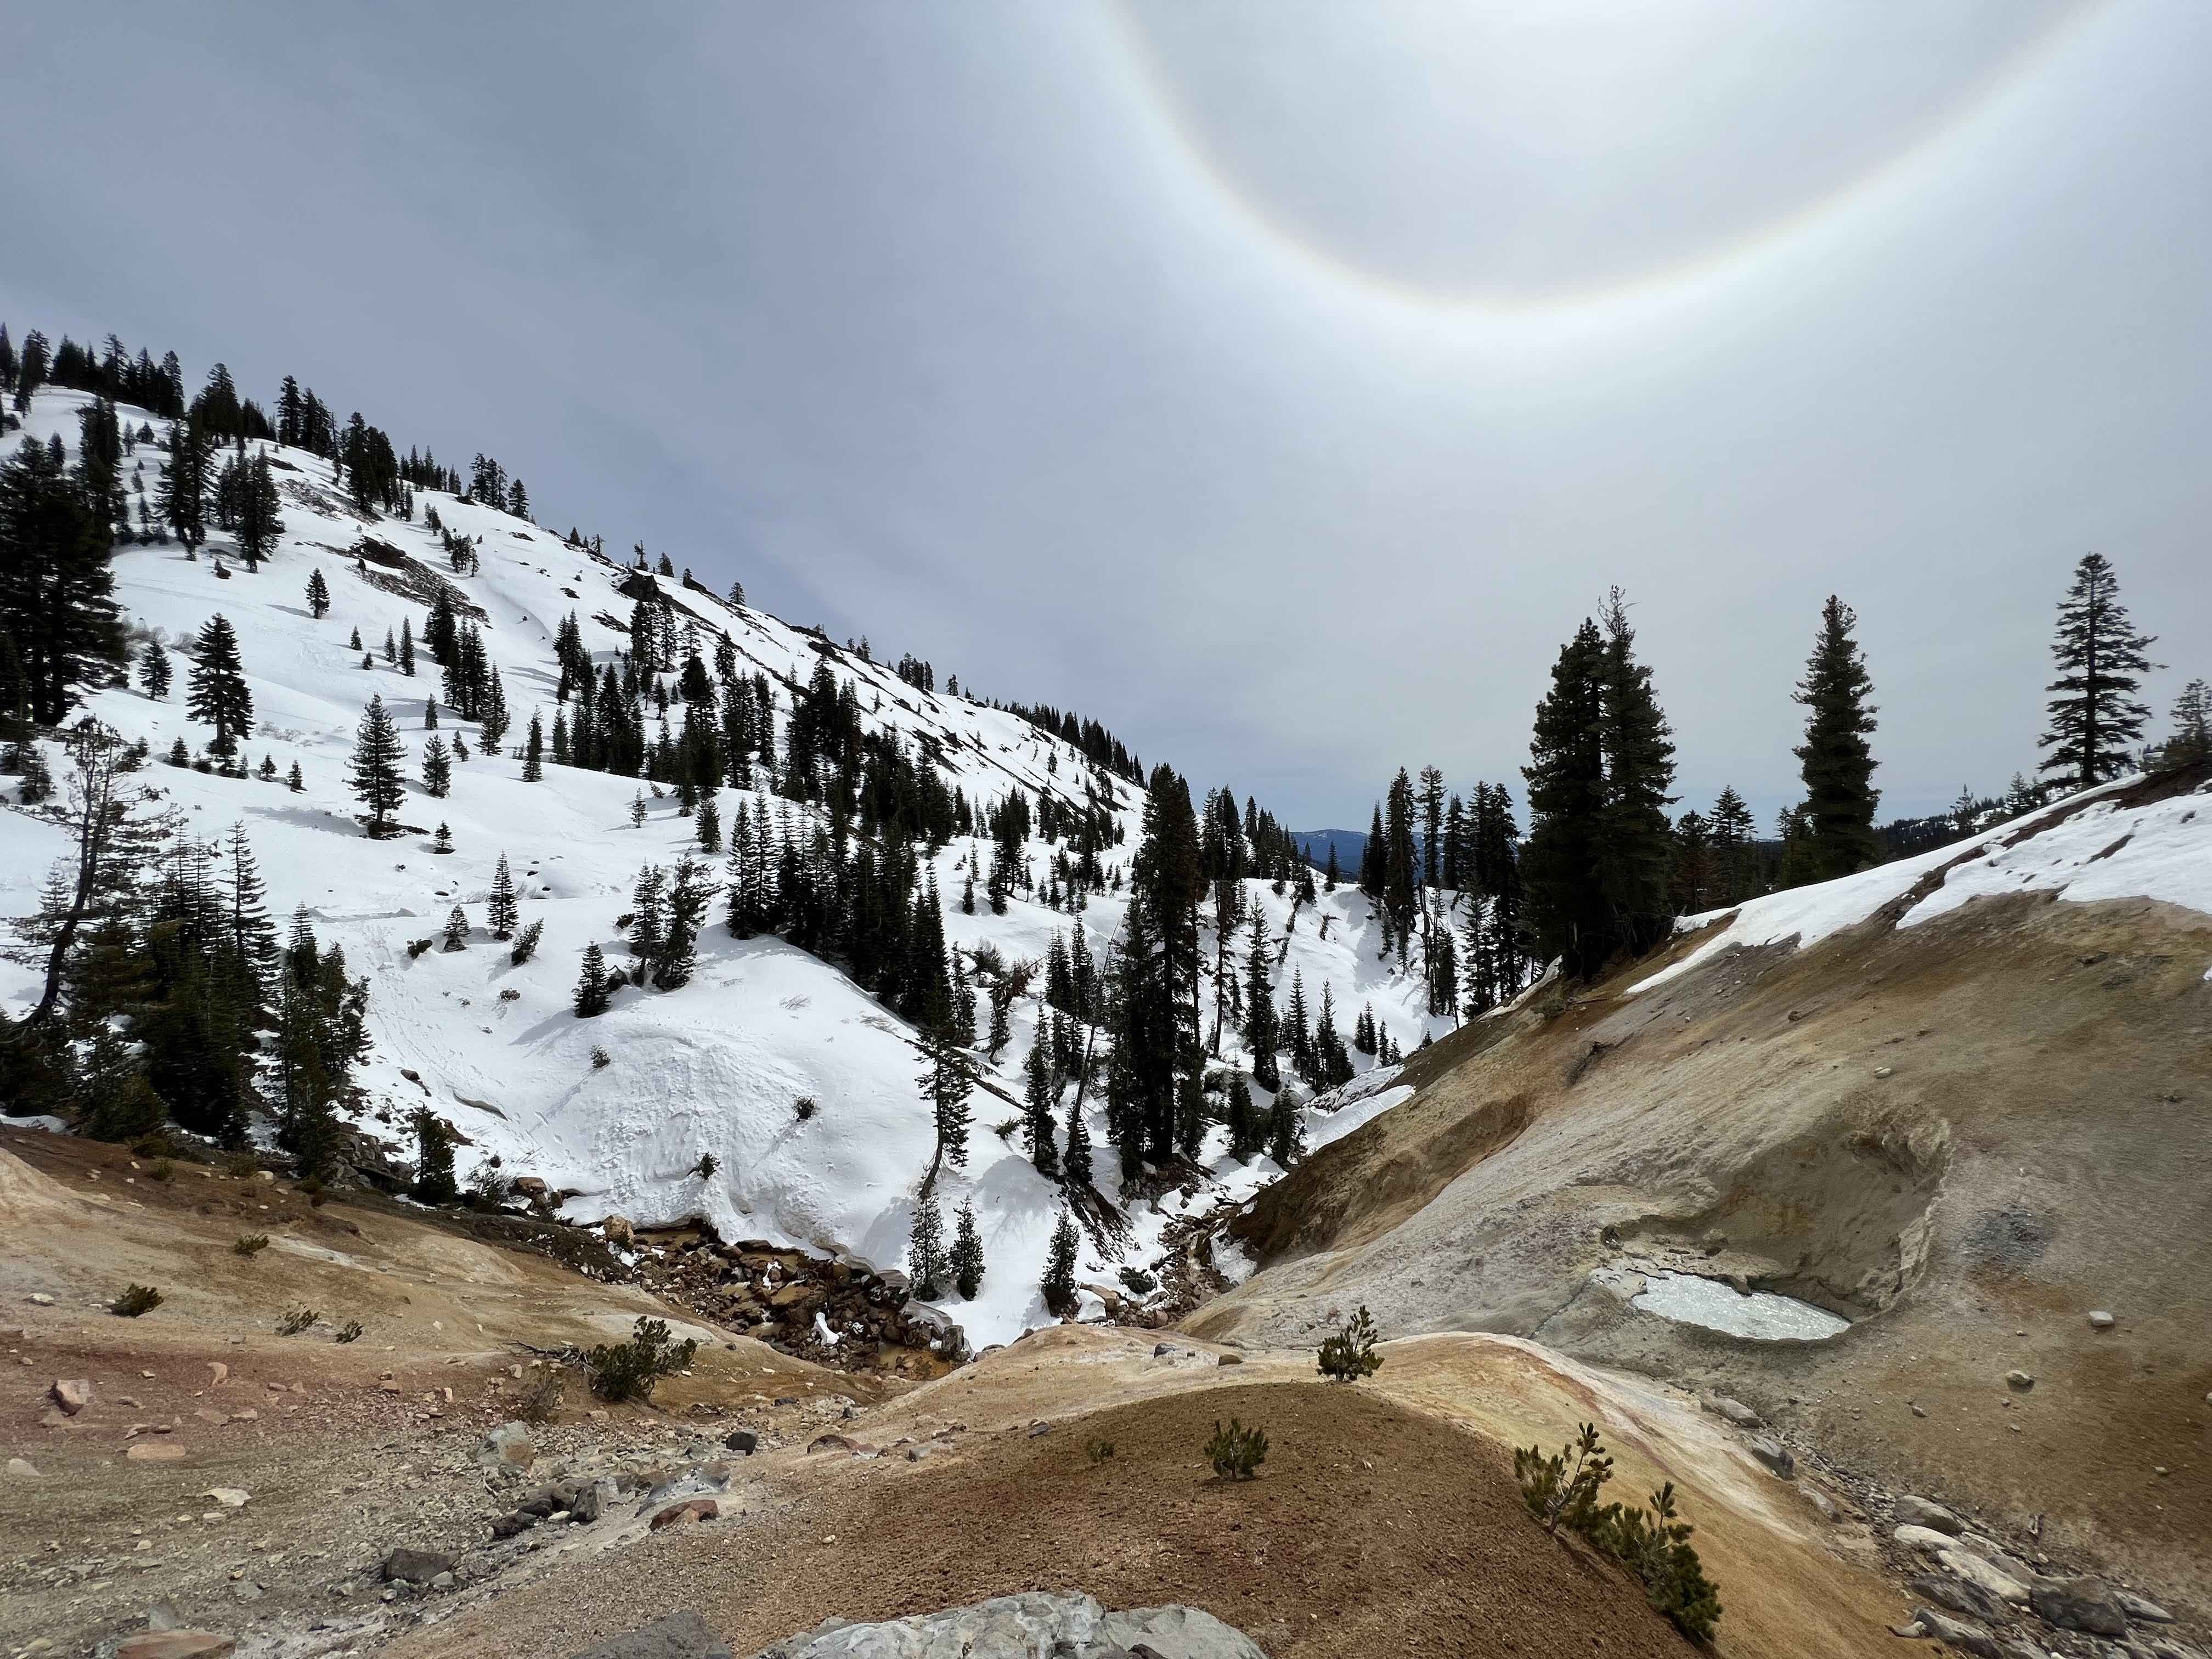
x=2104 y=844
x=715 y=1067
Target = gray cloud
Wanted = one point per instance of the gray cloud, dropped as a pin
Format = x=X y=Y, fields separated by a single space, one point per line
x=1277 y=391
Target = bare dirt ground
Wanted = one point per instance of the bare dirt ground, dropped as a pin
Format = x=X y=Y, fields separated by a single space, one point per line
x=345 y=1450
x=1385 y=1519
x=1965 y=1137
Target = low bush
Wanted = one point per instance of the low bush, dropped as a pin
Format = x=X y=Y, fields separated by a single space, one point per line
x=541 y=1399
x=416 y=947
x=601 y=1059
x=1236 y=1452
x=293 y=1323
x=161 y=1170
x=250 y=1244
x=1098 y=1451
x=1137 y=1281
x=349 y=1331
x=804 y=1107
x=1350 y=1354
x=627 y=1370
x=1653 y=1543
x=135 y=1300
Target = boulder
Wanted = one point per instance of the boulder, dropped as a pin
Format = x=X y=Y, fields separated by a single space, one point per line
x=1961 y=1596
x=1066 y=1626
x=679 y=1635
x=1921 y=1512
x=2135 y=1606
x=593 y=1502
x=1964 y=1638
x=406 y=1566
x=618 y=1230
x=71 y=1393
x=175 y=1644
x=1735 y=1410
x=741 y=1440
x=690 y=1509
x=1984 y=1576
x=507 y=1446
x=1774 y=1455
x=2083 y=1604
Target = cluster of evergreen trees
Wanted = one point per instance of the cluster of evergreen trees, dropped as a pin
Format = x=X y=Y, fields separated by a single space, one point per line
x=168 y=998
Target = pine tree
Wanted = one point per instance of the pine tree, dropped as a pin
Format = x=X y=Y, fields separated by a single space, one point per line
x=441 y=843
x=967 y=1260
x=2095 y=721
x=457 y=929
x=1262 y=1037
x=154 y=671
x=217 y=693
x=1039 y=1095
x=1245 y=1125
x=258 y=524
x=591 y=989
x=2191 y=742
x=437 y=769
x=502 y=911
x=946 y=1081
x=926 y=1266
x=1837 y=764
x=637 y=810
x=1077 y=1159
x=533 y=752
x=407 y=647
x=710 y=825
x=1636 y=841
x=1730 y=831
x=294 y=781
x=1059 y=1284
x=434 y=1181
x=375 y=776
x=319 y=594
x=1285 y=1132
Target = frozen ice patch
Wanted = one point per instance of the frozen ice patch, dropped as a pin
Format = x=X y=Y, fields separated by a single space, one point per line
x=1689 y=1300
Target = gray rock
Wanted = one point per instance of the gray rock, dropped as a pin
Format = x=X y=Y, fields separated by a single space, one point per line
x=19 y=1468
x=1967 y=1639
x=2136 y=1607
x=415 y=1566
x=2019 y=1380
x=593 y=1502
x=1774 y=1455
x=741 y=1440
x=2083 y=1604
x=679 y=1635
x=2101 y=1321
x=1920 y=1512
x=71 y=1393
x=1962 y=1596
x=1734 y=1411
x=507 y=1446
x=1064 y=1626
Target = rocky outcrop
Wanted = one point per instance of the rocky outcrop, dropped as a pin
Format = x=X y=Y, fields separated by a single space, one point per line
x=679 y=1635
x=1067 y=1626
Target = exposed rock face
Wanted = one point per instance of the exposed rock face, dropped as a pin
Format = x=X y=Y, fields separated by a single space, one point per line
x=679 y=1635
x=2083 y=1604
x=775 y=1294
x=1066 y=1626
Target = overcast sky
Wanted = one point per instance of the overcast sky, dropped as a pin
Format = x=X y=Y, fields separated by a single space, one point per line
x=1280 y=383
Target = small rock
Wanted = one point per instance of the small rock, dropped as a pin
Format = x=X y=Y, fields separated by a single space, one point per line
x=2101 y=1321
x=155 y=1451
x=2019 y=1380
x=219 y=1373
x=679 y=1635
x=741 y=1440
x=39 y=1299
x=2083 y=1604
x=444 y=1580
x=1823 y=1505
x=834 y=1442
x=1232 y=1359
x=690 y=1509
x=1884 y=1070
x=231 y=1497
x=246 y=1592
x=1774 y=1455
x=1920 y=1512
x=71 y=1393
x=591 y=1503
x=406 y=1566
x=1916 y=1409
x=175 y=1644
x=20 y=1469
x=1039 y=1429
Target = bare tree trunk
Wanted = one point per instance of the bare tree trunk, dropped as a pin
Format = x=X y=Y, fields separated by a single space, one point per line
x=92 y=793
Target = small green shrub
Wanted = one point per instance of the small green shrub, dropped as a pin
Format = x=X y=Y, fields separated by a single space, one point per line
x=161 y=1170
x=250 y=1244
x=296 y=1322
x=1654 y=1543
x=242 y=1166
x=1350 y=1354
x=416 y=947
x=804 y=1106
x=1098 y=1451
x=1138 y=1282
x=1236 y=1452
x=349 y=1331
x=135 y=1300
x=601 y=1058
x=705 y=1168
x=627 y=1370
